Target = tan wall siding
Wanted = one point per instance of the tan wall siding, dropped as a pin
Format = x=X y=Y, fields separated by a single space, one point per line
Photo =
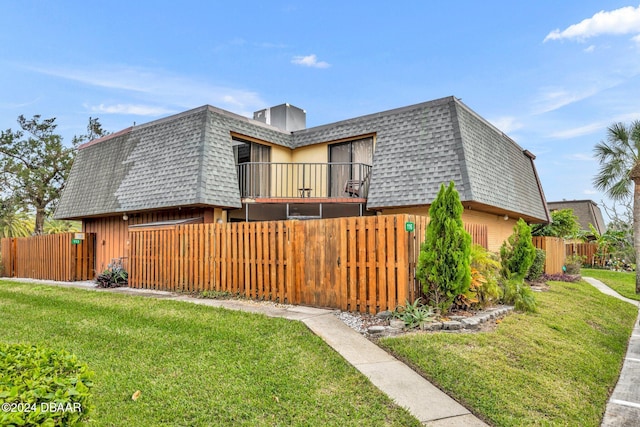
x=318 y=153
x=112 y=232
x=280 y=154
x=498 y=229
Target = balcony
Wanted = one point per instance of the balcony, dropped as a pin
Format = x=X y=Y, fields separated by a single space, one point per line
x=302 y=182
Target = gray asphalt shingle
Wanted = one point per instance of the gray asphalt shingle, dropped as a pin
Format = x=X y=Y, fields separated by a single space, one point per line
x=187 y=159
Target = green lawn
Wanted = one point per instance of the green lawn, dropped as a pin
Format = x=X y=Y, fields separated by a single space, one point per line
x=555 y=367
x=621 y=281
x=195 y=365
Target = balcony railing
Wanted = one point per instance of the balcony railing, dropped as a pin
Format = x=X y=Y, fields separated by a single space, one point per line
x=303 y=180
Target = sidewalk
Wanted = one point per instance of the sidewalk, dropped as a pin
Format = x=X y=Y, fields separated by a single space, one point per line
x=408 y=389
x=623 y=408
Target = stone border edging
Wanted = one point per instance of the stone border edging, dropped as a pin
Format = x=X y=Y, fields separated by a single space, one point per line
x=456 y=323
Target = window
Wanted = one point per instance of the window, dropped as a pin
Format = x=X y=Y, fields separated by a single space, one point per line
x=350 y=161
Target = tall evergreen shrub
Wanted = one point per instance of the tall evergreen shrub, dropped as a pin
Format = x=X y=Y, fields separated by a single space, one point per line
x=443 y=265
x=517 y=253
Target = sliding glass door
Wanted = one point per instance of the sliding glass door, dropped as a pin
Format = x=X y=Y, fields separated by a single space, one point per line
x=349 y=156
x=255 y=174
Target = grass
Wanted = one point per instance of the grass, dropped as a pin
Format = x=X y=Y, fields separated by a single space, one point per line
x=622 y=282
x=195 y=365
x=555 y=367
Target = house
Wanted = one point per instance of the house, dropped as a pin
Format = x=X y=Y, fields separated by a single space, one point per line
x=207 y=165
x=587 y=211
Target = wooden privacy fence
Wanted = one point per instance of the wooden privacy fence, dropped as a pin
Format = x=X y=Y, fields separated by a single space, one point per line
x=589 y=251
x=555 y=253
x=50 y=257
x=364 y=264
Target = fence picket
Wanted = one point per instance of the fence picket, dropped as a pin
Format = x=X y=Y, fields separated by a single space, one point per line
x=49 y=257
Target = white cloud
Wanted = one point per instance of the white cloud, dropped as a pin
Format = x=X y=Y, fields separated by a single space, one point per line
x=165 y=91
x=590 y=192
x=138 y=110
x=19 y=104
x=581 y=157
x=590 y=49
x=625 y=20
x=554 y=98
x=579 y=131
x=595 y=127
x=636 y=39
x=309 y=61
x=506 y=124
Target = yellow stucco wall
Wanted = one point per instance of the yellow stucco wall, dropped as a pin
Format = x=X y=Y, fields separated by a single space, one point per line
x=318 y=153
x=278 y=186
x=498 y=230
x=315 y=176
x=280 y=154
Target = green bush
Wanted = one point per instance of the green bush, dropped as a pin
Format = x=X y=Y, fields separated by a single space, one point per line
x=517 y=253
x=485 y=274
x=413 y=315
x=443 y=264
x=41 y=386
x=114 y=276
x=537 y=267
x=573 y=264
x=519 y=294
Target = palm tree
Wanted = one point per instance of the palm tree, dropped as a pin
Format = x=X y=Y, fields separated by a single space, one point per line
x=13 y=222
x=55 y=226
x=619 y=158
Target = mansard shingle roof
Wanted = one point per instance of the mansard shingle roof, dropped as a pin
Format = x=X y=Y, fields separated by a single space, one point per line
x=187 y=160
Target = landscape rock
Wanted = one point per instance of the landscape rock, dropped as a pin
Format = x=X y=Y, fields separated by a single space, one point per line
x=452 y=325
x=470 y=323
x=396 y=324
x=374 y=330
x=432 y=326
x=384 y=315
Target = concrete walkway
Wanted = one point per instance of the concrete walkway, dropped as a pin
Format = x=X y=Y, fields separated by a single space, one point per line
x=408 y=389
x=623 y=408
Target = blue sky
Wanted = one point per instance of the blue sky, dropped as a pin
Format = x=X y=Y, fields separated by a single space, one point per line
x=550 y=74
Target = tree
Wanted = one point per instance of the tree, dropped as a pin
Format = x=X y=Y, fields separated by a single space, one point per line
x=13 y=221
x=35 y=164
x=517 y=253
x=619 y=158
x=55 y=226
x=94 y=131
x=564 y=224
x=443 y=264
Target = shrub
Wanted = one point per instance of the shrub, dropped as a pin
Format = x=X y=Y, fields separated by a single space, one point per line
x=519 y=294
x=413 y=315
x=573 y=264
x=42 y=387
x=114 y=276
x=443 y=264
x=537 y=267
x=485 y=272
x=517 y=253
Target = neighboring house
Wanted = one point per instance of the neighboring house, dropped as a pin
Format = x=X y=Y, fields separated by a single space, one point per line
x=207 y=165
x=587 y=211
